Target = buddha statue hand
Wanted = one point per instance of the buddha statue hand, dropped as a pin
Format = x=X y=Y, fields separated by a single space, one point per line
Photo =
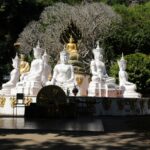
x=23 y=76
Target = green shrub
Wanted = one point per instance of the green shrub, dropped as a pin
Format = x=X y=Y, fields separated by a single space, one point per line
x=133 y=35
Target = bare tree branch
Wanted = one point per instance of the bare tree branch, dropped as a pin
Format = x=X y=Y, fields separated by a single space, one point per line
x=93 y=19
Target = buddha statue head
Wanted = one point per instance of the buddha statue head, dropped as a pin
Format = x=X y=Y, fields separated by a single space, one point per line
x=122 y=63
x=64 y=56
x=98 y=52
x=38 y=51
x=71 y=40
x=15 y=61
x=45 y=57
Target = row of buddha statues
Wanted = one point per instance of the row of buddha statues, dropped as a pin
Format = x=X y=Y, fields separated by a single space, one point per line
x=30 y=79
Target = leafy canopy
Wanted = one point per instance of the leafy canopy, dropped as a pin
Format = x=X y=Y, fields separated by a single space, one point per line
x=133 y=34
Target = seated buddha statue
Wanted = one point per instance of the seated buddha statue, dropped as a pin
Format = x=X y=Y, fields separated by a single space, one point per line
x=72 y=47
x=128 y=88
x=100 y=82
x=98 y=68
x=31 y=82
x=24 y=65
x=63 y=73
x=14 y=77
x=35 y=71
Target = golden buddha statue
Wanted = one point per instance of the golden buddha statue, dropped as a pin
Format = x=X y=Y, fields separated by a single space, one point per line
x=24 y=65
x=71 y=47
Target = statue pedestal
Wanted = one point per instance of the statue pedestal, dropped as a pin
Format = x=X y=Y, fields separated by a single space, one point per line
x=9 y=110
x=96 y=89
x=5 y=92
x=29 y=88
x=83 y=83
x=104 y=90
x=130 y=94
x=32 y=88
x=129 y=91
x=100 y=92
x=114 y=93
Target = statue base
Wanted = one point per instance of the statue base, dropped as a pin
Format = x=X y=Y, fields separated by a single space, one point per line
x=104 y=90
x=127 y=94
x=106 y=93
x=11 y=107
x=28 y=88
x=83 y=83
x=5 y=92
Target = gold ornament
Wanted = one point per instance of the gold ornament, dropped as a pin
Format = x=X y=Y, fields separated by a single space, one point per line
x=13 y=102
x=27 y=101
x=2 y=101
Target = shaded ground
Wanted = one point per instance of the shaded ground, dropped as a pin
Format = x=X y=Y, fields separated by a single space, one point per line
x=76 y=141
x=121 y=133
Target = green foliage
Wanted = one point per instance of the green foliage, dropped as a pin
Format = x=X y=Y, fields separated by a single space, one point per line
x=113 y=2
x=137 y=69
x=133 y=35
x=14 y=15
x=125 y=2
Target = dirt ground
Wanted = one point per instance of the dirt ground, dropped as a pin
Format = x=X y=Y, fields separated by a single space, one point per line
x=75 y=141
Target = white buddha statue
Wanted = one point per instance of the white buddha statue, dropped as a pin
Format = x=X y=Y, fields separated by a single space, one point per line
x=129 y=88
x=98 y=68
x=31 y=82
x=14 y=77
x=100 y=79
x=63 y=74
x=46 y=74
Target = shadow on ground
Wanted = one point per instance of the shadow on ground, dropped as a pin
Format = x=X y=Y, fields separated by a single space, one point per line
x=75 y=141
